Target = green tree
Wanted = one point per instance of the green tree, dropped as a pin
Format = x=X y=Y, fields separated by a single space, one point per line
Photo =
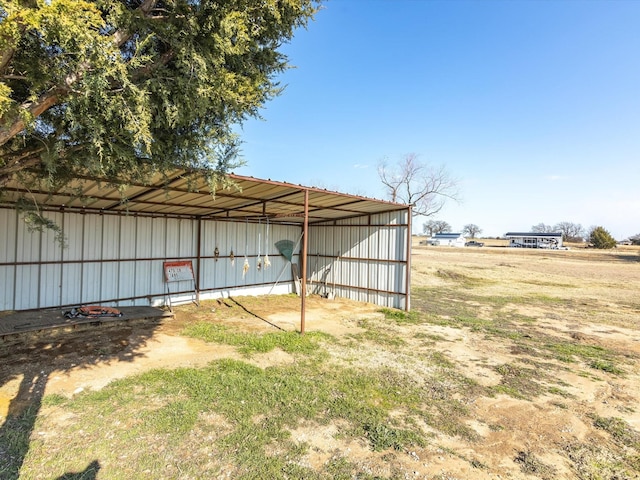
x=121 y=89
x=601 y=238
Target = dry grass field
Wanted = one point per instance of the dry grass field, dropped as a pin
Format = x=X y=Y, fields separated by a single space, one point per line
x=512 y=364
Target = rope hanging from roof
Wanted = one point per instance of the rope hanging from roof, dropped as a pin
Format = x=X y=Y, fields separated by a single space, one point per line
x=245 y=267
x=267 y=262
x=259 y=259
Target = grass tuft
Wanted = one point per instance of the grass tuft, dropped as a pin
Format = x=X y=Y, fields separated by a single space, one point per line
x=248 y=343
x=401 y=317
x=382 y=437
x=620 y=430
x=531 y=465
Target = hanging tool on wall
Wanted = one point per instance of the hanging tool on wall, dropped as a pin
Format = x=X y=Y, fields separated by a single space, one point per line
x=259 y=259
x=267 y=262
x=245 y=267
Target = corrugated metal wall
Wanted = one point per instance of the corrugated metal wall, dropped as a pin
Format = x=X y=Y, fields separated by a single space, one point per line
x=366 y=258
x=118 y=260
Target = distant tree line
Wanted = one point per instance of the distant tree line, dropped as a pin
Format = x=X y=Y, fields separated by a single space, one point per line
x=571 y=232
x=433 y=227
x=597 y=236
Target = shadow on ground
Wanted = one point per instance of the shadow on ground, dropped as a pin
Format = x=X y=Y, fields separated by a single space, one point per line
x=32 y=358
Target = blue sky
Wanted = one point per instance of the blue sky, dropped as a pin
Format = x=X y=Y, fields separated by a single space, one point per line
x=534 y=106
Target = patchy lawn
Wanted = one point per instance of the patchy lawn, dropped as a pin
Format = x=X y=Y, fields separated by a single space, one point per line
x=511 y=363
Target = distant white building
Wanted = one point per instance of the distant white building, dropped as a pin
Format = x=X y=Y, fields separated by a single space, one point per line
x=534 y=240
x=447 y=240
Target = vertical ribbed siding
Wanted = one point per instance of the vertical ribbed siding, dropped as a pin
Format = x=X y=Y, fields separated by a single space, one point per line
x=245 y=239
x=119 y=259
x=366 y=257
x=8 y=250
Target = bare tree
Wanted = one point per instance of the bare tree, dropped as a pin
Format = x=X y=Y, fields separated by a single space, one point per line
x=471 y=229
x=423 y=186
x=436 y=226
x=571 y=232
x=542 y=228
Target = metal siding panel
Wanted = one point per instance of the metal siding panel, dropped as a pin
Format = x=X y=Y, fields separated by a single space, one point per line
x=157 y=284
x=248 y=249
x=172 y=238
x=126 y=280
x=49 y=286
x=232 y=272
x=219 y=268
x=143 y=237
x=7 y=287
x=126 y=270
x=91 y=250
x=72 y=285
x=26 y=295
x=206 y=249
x=188 y=241
x=8 y=240
x=206 y=278
x=110 y=237
x=109 y=281
x=127 y=238
x=49 y=280
x=91 y=283
x=143 y=267
x=92 y=238
x=158 y=237
x=8 y=234
x=27 y=244
x=73 y=231
x=51 y=250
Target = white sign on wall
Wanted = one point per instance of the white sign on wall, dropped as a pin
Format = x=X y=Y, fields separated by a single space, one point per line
x=178 y=271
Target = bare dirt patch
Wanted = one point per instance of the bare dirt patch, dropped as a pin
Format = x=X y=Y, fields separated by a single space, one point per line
x=529 y=318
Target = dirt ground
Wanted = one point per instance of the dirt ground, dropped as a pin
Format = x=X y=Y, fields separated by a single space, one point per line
x=86 y=359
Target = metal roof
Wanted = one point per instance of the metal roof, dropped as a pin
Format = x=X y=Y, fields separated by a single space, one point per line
x=533 y=234
x=447 y=235
x=188 y=195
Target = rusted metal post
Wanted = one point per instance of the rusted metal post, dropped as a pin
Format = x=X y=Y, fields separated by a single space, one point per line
x=198 y=261
x=303 y=260
x=407 y=301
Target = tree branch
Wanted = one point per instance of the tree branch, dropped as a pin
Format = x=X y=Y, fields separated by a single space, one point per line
x=35 y=109
x=18 y=163
x=55 y=94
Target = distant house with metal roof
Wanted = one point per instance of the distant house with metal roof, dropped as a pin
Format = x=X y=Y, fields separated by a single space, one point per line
x=447 y=240
x=534 y=240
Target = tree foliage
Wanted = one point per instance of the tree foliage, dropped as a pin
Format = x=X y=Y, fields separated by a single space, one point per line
x=423 y=186
x=471 y=230
x=635 y=239
x=436 y=226
x=120 y=89
x=601 y=238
